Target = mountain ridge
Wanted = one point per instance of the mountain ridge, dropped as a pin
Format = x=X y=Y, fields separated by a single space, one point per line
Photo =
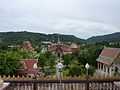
x=19 y=37
x=113 y=37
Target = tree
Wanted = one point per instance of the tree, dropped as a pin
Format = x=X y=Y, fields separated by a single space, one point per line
x=9 y=62
x=72 y=66
x=89 y=54
x=67 y=59
x=42 y=60
x=47 y=62
x=75 y=68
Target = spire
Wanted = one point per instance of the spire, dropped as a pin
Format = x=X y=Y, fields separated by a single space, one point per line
x=58 y=39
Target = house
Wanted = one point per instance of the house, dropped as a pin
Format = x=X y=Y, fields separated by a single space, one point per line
x=27 y=46
x=62 y=49
x=59 y=49
x=108 y=63
x=75 y=47
x=29 y=67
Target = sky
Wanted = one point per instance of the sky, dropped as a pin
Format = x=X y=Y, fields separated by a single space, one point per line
x=83 y=18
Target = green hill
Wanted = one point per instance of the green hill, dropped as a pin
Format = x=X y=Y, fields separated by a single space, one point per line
x=36 y=38
x=114 y=37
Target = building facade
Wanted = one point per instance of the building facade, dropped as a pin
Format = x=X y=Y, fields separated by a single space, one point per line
x=62 y=49
x=27 y=46
x=108 y=63
x=29 y=67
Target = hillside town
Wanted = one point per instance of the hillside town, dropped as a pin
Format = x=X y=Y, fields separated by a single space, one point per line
x=59 y=45
x=59 y=60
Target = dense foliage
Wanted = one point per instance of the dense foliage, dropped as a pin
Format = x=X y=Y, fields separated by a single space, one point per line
x=10 y=59
x=9 y=62
x=74 y=64
x=47 y=62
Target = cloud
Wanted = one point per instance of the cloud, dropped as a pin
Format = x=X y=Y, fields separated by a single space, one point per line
x=83 y=18
x=79 y=27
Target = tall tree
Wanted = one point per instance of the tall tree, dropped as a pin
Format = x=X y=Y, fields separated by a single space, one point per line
x=9 y=62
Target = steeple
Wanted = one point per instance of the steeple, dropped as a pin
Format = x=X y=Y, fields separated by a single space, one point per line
x=58 y=39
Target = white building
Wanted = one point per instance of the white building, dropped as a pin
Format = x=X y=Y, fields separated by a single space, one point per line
x=108 y=63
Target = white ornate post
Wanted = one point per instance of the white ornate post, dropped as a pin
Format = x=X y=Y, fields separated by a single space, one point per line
x=87 y=66
x=59 y=67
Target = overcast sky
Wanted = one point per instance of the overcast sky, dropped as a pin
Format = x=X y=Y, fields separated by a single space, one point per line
x=83 y=18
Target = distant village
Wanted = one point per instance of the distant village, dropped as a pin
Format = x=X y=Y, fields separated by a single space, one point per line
x=59 y=49
x=53 y=62
x=108 y=61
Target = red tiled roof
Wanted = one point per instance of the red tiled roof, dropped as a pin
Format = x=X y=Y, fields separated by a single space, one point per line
x=108 y=55
x=30 y=63
x=105 y=60
x=62 y=48
x=66 y=49
x=28 y=67
x=110 y=52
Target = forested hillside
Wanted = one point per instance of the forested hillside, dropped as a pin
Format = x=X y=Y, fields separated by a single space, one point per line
x=35 y=38
x=115 y=37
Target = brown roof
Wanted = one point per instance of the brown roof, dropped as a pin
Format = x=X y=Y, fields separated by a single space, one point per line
x=62 y=48
x=30 y=63
x=110 y=52
x=28 y=66
x=108 y=55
